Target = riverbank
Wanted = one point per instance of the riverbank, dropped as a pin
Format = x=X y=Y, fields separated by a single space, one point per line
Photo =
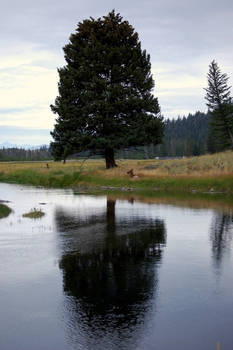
x=210 y=173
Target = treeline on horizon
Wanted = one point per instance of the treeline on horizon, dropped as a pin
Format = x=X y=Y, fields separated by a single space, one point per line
x=187 y=136
x=184 y=136
x=22 y=154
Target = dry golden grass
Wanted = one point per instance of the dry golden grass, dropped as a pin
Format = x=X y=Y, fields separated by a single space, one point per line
x=70 y=166
x=207 y=165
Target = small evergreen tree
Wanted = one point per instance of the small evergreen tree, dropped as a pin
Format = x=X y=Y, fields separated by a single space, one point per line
x=105 y=97
x=220 y=107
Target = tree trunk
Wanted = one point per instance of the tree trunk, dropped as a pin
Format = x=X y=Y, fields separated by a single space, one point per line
x=109 y=158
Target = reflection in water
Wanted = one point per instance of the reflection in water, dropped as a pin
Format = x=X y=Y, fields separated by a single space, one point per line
x=110 y=274
x=221 y=236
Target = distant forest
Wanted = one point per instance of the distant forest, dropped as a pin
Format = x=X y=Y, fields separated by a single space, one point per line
x=187 y=136
x=21 y=154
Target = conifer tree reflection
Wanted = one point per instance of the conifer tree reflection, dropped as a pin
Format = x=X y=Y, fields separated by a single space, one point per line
x=221 y=236
x=114 y=277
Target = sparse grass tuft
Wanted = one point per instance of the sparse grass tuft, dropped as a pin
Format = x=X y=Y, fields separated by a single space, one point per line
x=4 y=211
x=34 y=214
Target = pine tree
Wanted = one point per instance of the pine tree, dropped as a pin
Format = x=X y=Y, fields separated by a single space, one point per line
x=105 y=97
x=220 y=107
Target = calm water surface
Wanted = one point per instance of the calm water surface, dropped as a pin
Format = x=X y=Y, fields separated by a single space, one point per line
x=102 y=273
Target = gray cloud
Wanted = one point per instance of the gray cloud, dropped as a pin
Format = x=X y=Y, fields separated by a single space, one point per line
x=181 y=36
x=189 y=24
x=22 y=136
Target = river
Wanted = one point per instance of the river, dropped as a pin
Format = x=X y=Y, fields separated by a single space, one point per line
x=102 y=272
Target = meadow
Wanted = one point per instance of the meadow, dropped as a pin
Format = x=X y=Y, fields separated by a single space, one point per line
x=211 y=173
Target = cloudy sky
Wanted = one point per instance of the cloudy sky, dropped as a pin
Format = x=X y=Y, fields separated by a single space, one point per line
x=182 y=37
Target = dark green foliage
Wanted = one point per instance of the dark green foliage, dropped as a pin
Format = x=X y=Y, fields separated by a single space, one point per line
x=217 y=92
x=105 y=97
x=221 y=127
x=187 y=136
x=220 y=107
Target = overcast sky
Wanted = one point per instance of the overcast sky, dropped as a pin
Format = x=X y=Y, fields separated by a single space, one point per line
x=182 y=37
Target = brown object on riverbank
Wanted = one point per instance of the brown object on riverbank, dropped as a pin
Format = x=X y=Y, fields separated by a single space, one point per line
x=131 y=173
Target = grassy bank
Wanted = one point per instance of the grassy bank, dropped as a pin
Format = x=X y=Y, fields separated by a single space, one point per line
x=212 y=173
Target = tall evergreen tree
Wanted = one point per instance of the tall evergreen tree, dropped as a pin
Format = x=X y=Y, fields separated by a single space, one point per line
x=105 y=97
x=220 y=106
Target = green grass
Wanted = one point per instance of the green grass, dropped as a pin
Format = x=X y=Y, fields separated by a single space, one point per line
x=34 y=214
x=33 y=177
x=222 y=183
x=4 y=211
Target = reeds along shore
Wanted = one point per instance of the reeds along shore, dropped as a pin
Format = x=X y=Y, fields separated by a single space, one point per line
x=205 y=173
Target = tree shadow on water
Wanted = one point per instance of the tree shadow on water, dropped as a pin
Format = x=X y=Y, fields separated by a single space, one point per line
x=111 y=278
x=221 y=236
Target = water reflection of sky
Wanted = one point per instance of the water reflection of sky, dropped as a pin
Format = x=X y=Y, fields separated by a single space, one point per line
x=119 y=274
